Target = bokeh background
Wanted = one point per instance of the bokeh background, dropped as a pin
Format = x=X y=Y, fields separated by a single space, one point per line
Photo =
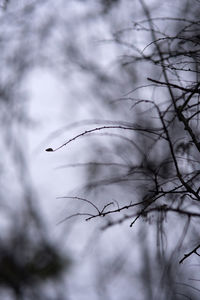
x=66 y=67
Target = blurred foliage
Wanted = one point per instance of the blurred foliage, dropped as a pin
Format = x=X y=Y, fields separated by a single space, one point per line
x=24 y=264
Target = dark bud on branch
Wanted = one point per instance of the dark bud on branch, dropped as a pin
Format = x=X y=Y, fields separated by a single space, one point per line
x=49 y=150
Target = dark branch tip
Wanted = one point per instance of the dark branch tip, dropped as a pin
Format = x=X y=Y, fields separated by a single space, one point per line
x=49 y=150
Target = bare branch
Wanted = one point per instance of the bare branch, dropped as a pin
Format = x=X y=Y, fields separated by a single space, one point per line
x=194 y=251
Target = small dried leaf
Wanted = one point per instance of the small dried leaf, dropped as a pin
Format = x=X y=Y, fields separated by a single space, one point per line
x=49 y=150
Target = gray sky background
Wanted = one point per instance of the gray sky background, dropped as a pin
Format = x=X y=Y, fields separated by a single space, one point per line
x=76 y=79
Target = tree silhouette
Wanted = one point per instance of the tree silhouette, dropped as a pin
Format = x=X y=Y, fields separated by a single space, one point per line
x=159 y=177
